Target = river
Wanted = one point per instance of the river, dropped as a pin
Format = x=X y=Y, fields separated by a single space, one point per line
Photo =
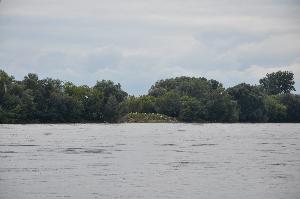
x=259 y=161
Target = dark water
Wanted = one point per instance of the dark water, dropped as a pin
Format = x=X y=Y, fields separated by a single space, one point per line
x=150 y=161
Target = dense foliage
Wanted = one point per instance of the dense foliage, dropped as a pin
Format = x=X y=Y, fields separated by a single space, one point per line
x=188 y=99
x=52 y=101
x=277 y=83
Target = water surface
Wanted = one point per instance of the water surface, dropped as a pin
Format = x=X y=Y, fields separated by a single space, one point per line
x=150 y=161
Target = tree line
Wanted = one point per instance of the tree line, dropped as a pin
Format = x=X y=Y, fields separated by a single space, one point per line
x=188 y=99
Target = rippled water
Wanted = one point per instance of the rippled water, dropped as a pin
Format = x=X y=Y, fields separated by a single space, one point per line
x=150 y=161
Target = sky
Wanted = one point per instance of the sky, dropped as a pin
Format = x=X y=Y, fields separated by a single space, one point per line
x=135 y=43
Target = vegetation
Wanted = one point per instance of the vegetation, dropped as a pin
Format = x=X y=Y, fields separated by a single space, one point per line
x=188 y=99
x=52 y=101
x=277 y=83
x=251 y=102
x=147 y=118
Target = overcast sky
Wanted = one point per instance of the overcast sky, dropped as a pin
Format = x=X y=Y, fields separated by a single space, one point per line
x=137 y=42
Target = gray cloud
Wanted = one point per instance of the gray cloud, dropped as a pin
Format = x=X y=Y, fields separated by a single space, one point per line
x=138 y=42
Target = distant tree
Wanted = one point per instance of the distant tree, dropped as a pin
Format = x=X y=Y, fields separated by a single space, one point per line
x=112 y=98
x=108 y=88
x=49 y=102
x=73 y=109
x=221 y=107
x=75 y=98
x=111 y=110
x=132 y=104
x=5 y=83
x=275 y=109
x=157 y=90
x=183 y=86
x=192 y=110
x=142 y=104
x=3 y=116
x=94 y=106
x=147 y=104
x=292 y=103
x=169 y=104
x=216 y=104
x=250 y=101
x=189 y=99
x=278 y=82
x=31 y=81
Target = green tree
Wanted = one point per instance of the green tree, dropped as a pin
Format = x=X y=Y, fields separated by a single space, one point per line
x=93 y=106
x=49 y=102
x=112 y=109
x=189 y=99
x=31 y=81
x=278 y=82
x=112 y=95
x=142 y=104
x=147 y=104
x=184 y=86
x=5 y=83
x=275 y=109
x=108 y=88
x=75 y=98
x=169 y=104
x=192 y=110
x=217 y=104
x=251 y=102
x=132 y=104
x=221 y=107
x=292 y=103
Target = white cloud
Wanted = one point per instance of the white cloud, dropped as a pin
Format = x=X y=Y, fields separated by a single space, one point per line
x=138 y=42
x=252 y=74
x=276 y=49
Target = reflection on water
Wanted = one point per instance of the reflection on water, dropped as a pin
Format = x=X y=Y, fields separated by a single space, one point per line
x=150 y=161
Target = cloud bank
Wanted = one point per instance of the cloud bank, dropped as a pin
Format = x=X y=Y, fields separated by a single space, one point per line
x=137 y=42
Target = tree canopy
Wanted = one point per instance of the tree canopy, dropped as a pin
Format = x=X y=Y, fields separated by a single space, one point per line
x=250 y=100
x=278 y=82
x=186 y=99
x=51 y=101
